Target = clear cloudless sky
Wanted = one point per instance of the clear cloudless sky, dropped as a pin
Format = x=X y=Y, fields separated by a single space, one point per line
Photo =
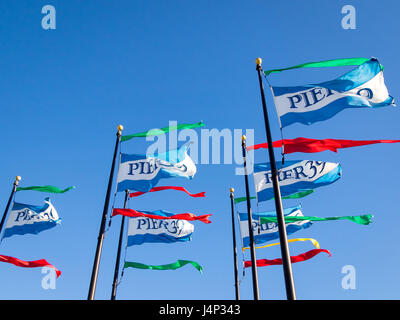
x=143 y=63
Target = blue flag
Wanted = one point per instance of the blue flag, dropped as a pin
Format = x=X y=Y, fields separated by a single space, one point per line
x=295 y=176
x=144 y=229
x=26 y=218
x=363 y=87
x=269 y=231
x=141 y=172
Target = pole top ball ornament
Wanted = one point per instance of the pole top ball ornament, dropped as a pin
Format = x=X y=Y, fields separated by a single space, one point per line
x=120 y=127
x=231 y=190
x=258 y=61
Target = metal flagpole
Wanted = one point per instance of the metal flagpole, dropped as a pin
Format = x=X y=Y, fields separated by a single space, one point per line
x=14 y=189
x=287 y=266
x=250 y=221
x=234 y=246
x=100 y=239
x=121 y=234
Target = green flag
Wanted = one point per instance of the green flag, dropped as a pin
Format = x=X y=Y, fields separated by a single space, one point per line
x=363 y=219
x=156 y=132
x=296 y=195
x=171 y=266
x=241 y=199
x=49 y=189
x=326 y=63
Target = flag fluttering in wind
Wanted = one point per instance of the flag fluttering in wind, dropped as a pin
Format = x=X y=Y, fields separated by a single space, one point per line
x=294 y=176
x=161 y=214
x=266 y=232
x=362 y=87
x=171 y=266
x=29 y=264
x=313 y=241
x=195 y=195
x=299 y=258
x=296 y=195
x=362 y=219
x=143 y=229
x=142 y=173
x=322 y=64
x=156 y=132
x=307 y=145
x=48 y=189
x=29 y=219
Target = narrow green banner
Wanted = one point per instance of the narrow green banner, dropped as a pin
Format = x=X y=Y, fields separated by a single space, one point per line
x=363 y=219
x=241 y=199
x=170 y=266
x=321 y=64
x=156 y=132
x=297 y=195
x=49 y=189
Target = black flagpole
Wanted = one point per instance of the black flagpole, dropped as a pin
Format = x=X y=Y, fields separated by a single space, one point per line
x=234 y=247
x=100 y=238
x=287 y=266
x=250 y=221
x=14 y=189
x=121 y=234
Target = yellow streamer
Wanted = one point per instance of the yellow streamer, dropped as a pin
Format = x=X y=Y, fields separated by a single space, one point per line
x=314 y=242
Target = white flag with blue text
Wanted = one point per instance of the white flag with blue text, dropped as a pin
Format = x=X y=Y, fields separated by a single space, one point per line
x=269 y=231
x=30 y=219
x=362 y=87
x=142 y=172
x=144 y=229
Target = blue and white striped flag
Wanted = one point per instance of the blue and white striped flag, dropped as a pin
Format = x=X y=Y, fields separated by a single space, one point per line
x=269 y=231
x=294 y=176
x=143 y=229
x=362 y=87
x=141 y=172
x=29 y=219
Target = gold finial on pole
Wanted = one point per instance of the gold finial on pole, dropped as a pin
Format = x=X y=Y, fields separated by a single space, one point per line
x=17 y=180
x=231 y=190
x=120 y=128
x=258 y=61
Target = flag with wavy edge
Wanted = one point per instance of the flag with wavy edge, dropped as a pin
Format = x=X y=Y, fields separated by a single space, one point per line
x=307 y=145
x=141 y=172
x=294 y=176
x=49 y=189
x=161 y=214
x=156 y=132
x=155 y=189
x=267 y=232
x=171 y=266
x=299 y=258
x=30 y=219
x=362 y=87
x=29 y=264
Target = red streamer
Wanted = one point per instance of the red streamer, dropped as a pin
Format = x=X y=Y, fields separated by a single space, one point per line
x=301 y=257
x=29 y=264
x=316 y=145
x=196 y=195
x=183 y=216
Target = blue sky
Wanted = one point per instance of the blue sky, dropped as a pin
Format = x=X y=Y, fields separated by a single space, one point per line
x=142 y=64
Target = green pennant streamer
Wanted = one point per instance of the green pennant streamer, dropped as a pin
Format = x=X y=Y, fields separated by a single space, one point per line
x=49 y=189
x=170 y=266
x=241 y=199
x=156 y=132
x=326 y=63
x=296 y=195
x=363 y=219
